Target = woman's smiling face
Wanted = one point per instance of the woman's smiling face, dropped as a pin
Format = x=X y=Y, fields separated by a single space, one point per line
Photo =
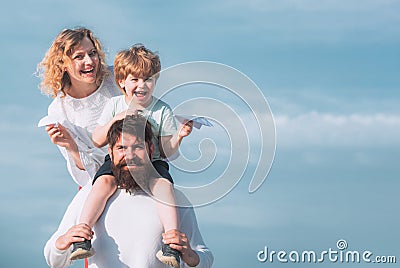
x=84 y=63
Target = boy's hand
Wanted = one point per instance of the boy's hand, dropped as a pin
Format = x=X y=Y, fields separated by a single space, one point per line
x=129 y=111
x=120 y=115
x=186 y=128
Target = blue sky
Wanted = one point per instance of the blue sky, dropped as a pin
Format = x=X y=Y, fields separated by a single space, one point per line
x=329 y=70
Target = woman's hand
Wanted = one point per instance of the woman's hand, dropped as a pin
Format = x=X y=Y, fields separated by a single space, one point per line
x=60 y=136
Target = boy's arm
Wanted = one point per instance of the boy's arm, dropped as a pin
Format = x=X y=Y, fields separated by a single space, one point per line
x=106 y=119
x=99 y=136
x=169 y=144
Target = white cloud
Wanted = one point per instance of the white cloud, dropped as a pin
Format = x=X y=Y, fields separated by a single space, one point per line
x=325 y=129
x=334 y=122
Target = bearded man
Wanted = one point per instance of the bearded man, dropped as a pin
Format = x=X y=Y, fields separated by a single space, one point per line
x=129 y=232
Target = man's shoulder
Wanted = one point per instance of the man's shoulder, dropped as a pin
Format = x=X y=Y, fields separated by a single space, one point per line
x=138 y=201
x=181 y=199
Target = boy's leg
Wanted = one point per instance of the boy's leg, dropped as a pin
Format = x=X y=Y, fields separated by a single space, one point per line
x=163 y=191
x=104 y=186
x=97 y=198
x=162 y=169
x=94 y=205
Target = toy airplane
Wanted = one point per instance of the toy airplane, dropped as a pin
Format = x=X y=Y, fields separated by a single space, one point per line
x=47 y=120
x=198 y=121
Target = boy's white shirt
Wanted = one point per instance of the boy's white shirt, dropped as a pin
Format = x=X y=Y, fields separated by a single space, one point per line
x=158 y=113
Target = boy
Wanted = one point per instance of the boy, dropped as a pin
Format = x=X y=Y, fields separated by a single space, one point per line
x=136 y=71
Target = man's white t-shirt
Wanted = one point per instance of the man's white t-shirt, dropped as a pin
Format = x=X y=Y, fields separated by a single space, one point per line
x=128 y=234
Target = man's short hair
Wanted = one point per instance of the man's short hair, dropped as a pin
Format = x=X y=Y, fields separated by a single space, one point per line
x=135 y=125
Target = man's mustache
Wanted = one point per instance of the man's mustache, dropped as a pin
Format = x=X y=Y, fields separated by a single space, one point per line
x=130 y=162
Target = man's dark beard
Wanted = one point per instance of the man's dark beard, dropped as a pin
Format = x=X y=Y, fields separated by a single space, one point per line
x=135 y=180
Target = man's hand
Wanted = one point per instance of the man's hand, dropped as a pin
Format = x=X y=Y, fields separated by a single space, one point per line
x=76 y=233
x=180 y=242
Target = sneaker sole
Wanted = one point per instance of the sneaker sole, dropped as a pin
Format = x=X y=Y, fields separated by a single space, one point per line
x=168 y=260
x=81 y=254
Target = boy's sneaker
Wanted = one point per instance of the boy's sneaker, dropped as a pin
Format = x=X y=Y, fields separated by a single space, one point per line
x=169 y=256
x=82 y=250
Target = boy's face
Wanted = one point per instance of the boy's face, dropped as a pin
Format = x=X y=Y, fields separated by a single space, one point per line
x=139 y=90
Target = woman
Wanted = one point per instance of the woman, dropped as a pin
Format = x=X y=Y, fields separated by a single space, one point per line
x=75 y=74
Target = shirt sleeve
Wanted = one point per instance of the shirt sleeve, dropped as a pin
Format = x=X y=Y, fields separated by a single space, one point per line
x=91 y=159
x=168 y=124
x=108 y=113
x=56 y=258
x=190 y=227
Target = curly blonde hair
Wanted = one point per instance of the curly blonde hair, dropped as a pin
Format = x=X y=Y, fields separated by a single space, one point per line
x=138 y=61
x=51 y=69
